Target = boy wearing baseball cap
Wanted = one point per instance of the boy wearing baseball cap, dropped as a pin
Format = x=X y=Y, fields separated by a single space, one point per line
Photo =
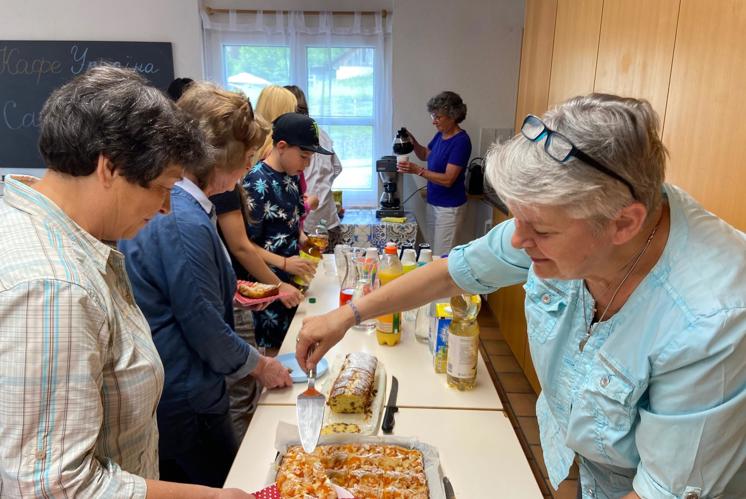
x=276 y=205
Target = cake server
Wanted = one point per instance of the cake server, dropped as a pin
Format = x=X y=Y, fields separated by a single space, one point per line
x=310 y=410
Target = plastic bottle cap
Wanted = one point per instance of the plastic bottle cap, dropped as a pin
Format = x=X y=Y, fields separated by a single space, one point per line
x=312 y=300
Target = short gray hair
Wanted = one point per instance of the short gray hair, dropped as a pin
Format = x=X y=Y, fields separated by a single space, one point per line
x=115 y=112
x=448 y=103
x=620 y=133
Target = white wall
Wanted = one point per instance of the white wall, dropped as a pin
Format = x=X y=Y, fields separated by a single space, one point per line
x=175 y=21
x=470 y=47
x=345 y=5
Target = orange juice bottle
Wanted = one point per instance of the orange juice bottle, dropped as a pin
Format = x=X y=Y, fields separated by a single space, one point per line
x=388 y=327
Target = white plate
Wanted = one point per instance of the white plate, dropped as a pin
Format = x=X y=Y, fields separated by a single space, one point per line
x=368 y=422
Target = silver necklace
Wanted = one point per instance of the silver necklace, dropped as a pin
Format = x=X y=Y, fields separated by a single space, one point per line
x=590 y=326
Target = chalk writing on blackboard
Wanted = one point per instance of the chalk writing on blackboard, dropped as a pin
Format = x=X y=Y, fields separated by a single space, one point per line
x=81 y=64
x=14 y=64
x=31 y=70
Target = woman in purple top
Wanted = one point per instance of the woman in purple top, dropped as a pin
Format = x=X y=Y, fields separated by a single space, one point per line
x=447 y=155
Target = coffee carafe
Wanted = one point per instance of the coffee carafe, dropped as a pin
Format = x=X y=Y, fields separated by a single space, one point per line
x=402 y=142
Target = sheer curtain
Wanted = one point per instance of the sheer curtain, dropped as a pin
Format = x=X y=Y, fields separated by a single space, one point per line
x=341 y=61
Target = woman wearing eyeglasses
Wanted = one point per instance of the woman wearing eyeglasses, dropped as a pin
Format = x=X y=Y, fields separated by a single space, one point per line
x=447 y=156
x=635 y=304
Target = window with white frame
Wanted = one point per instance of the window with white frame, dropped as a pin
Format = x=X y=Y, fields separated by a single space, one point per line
x=344 y=76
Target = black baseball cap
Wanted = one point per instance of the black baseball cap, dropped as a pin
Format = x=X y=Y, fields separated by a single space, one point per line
x=298 y=130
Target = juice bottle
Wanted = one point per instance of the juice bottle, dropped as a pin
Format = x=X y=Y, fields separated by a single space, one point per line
x=320 y=236
x=408 y=260
x=388 y=327
x=463 y=342
x=426 y=256
x=312 y=250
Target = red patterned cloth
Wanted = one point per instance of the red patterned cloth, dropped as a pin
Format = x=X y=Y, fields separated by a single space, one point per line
x=271 y=492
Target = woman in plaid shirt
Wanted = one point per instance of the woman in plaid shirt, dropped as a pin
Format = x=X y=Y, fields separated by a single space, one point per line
x=81 y=377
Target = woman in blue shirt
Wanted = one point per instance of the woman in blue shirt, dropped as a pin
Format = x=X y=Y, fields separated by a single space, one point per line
x=184 y=283
x=447 y=156
x=635 y=304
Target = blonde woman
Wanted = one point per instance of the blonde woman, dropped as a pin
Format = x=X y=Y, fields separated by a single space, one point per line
x=273 y=102
x=182 y=280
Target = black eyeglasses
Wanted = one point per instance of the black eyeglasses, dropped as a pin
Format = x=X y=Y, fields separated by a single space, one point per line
x=560 y=148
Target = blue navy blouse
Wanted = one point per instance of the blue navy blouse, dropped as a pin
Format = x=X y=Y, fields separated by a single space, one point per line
x=184 y=284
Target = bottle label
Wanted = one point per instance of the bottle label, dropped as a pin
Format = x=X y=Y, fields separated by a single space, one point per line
x=298 y=279
x=389 y=323
x=462 y=356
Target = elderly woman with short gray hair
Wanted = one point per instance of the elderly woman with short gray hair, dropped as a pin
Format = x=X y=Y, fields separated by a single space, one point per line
x=447 y=156
x=80 y=373
x=635 y=304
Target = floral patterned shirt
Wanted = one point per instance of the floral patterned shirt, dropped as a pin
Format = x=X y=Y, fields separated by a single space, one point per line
x=275 y=207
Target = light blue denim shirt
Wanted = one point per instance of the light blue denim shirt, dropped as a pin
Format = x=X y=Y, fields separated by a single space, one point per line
x=657 y=399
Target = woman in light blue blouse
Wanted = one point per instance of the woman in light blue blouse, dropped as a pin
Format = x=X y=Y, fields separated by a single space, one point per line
x=635 y=304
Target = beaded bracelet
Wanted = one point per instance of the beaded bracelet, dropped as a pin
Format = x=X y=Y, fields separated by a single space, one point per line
x=355 y=312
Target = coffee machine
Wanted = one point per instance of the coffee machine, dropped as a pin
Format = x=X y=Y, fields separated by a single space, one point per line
x=389 y=205
x=390 y=201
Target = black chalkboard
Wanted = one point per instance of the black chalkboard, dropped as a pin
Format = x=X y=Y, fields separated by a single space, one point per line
x=31 y=70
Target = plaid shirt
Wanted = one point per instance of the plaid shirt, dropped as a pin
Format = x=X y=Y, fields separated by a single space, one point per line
x=80 y=377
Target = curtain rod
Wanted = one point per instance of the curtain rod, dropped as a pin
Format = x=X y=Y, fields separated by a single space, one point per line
x=210 y=11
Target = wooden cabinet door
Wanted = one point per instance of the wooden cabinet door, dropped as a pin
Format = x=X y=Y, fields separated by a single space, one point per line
x=575 y=49
x=704 y=128
x=536 y=59
x=635 y=51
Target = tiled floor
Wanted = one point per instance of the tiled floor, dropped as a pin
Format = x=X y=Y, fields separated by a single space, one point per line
x=519 y=401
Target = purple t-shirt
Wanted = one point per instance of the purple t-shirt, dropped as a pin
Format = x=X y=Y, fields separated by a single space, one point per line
x=456 y=151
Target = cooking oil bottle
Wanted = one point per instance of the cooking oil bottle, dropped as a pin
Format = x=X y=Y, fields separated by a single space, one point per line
x=313 y=250
x=463 y=342
x=388 y=327
x=320 y=236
